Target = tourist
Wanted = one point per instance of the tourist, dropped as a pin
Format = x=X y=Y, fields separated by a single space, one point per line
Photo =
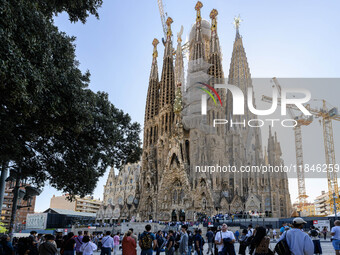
x=79 y=242
x=171 y=243
x=237 y=234
x=147 y=241
x=6 y=245
x=298 y=241
x=160 y=242
x=250 y=231
x=335 y=233
x=260 y=242
x=107 y=244
x=314 y=234
x=88 y=247
x=129 y=244
x=324 y=232
x=190 y=241
x=59 y=241
x=225 y=240
x=274 y=234
x=133 y=235
x=282 y=229
x=210 y=239
x=116 y=240
x=49 y=247
x=198 y=242
x=183 y=243
x=68 y=246
x=243 y=242
x=177 y=237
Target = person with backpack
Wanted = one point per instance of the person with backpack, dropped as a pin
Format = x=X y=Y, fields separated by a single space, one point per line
x=260 y=242
x=68 y=245
x=210 y=239
x=147 y=241
x=314 y=234
x=225 y=241
x=88 y=247
x=49 y=247
x=295 y=240
x=107 y=244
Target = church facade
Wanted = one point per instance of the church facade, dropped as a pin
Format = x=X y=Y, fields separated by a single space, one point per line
x=178 y=139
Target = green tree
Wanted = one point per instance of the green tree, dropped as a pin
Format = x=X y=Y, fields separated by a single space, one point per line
x=52 y=126
x=2 y=228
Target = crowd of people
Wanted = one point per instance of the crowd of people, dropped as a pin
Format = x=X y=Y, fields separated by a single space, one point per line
x=291 y=237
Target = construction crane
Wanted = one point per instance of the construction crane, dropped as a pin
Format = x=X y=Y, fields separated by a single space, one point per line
x=161 y=11
x=185 y=46
x=301 y=121
x=327 y=116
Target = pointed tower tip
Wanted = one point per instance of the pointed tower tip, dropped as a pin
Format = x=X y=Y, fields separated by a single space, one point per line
x=213 y=14
x=237 y=21
x=154 y=43
x=198 y=5
x=169 y=21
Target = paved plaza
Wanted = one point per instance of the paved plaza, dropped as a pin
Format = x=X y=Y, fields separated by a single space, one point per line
x=327 y=248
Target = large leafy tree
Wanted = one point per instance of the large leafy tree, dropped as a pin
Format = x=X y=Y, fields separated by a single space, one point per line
x=52 y=126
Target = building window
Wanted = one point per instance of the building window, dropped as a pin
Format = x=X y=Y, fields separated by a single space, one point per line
x=131 y=180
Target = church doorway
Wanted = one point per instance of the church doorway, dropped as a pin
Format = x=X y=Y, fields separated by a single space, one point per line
x=173 y=215
x=181 y=215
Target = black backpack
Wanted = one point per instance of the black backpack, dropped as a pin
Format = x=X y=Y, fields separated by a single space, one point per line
x=282 y=248
x=314 y=233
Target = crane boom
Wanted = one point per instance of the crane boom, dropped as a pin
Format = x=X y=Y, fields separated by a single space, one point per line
x=161 y=11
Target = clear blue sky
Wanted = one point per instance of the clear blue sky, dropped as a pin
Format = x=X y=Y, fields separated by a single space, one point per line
x=281 y=38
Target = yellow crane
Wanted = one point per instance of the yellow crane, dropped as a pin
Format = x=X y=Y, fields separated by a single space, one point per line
x=327 y=116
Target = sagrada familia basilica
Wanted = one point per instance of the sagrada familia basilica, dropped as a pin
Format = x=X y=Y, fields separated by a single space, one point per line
x=178 y=140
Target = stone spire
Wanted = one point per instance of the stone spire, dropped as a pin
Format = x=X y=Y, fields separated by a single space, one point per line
x=167 y=84
x=198 y=50
x=151 y=108
x=215 y=58
x=239 y=72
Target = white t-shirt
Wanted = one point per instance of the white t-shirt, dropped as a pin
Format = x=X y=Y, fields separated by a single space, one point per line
x=88 y=248
x=250 y=232
x=221 y=235
x=274 y=232
x=336 y=231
